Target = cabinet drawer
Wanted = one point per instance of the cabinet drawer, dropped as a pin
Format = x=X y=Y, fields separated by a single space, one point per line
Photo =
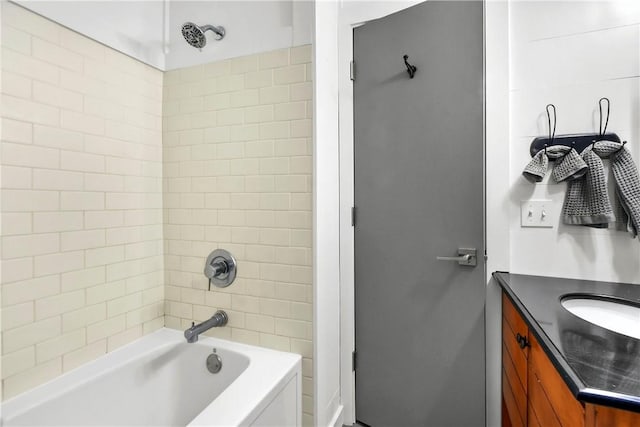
x=513 y=318
x=567 y=409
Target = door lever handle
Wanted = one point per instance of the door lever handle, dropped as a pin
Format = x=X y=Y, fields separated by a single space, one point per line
x=461 y=258
x=466 y=256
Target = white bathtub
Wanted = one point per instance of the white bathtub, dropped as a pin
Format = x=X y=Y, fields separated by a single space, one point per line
x=160 y=380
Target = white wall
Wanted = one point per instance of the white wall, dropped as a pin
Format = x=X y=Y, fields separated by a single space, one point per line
x=496 y=191
x=571 y=54
x=251 y=27
x=135 y=28
x=141 y=29
x=326 y=272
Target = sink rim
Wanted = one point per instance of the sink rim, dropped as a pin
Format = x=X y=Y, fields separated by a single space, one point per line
x=602 y=297
x=603 y=319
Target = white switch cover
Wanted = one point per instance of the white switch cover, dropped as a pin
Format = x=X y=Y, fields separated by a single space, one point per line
x=536 y=213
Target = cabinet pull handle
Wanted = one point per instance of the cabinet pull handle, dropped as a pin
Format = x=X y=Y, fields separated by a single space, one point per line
x=522 y=341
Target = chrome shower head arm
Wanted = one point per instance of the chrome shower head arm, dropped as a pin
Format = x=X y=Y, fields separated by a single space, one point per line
x=218 y=31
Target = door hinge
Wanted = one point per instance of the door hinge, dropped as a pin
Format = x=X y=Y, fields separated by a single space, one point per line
x=352 y=70
x=353 y=216
x=353 y=360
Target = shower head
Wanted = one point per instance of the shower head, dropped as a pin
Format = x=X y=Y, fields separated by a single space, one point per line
x=194 y=34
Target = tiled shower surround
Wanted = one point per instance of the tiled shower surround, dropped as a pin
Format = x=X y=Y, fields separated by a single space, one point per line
x=237 y=175
x=118 y=180
x=82 y=264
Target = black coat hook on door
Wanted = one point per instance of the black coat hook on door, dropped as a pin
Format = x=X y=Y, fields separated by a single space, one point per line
x=411 y=69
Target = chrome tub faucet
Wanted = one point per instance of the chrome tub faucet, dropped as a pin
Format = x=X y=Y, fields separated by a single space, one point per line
x=217 y=320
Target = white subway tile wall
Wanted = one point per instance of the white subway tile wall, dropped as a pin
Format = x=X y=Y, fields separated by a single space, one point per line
x=571 y=53
x=237 y=175
x=82 y=253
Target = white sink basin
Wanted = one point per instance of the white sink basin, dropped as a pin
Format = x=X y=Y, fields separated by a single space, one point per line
x=611 y=314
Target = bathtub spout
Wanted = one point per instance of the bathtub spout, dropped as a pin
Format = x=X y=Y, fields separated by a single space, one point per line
x=218 y=319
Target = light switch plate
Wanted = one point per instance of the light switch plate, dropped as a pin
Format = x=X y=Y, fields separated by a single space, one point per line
x=536 y=213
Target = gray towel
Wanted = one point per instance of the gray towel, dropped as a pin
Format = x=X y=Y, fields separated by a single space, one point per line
x=570 y=166
x=623 y=223
x=587 y=199
x=625 y=174
x=537 y=167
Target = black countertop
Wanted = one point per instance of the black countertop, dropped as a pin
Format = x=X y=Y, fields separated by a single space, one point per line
x=599 y=366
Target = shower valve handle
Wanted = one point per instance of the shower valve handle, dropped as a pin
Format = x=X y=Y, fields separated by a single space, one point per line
x=220 y=268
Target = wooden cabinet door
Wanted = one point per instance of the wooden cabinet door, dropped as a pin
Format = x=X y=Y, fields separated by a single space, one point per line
x=602 y=416
x=540 y=408
x=514 y=366
x=547 y=384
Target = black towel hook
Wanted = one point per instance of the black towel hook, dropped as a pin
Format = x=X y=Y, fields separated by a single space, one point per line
x=411 y=69
x=578 y=142
x=552 y=134
x=619 y=149
x=606 y=123
x=601 y=130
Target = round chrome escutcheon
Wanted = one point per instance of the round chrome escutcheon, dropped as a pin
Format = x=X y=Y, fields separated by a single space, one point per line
x=214 y=363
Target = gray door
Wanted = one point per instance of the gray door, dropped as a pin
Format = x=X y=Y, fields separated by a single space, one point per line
x=419 y=194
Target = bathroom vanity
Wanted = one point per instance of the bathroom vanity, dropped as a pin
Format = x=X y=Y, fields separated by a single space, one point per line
x=561 y=370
